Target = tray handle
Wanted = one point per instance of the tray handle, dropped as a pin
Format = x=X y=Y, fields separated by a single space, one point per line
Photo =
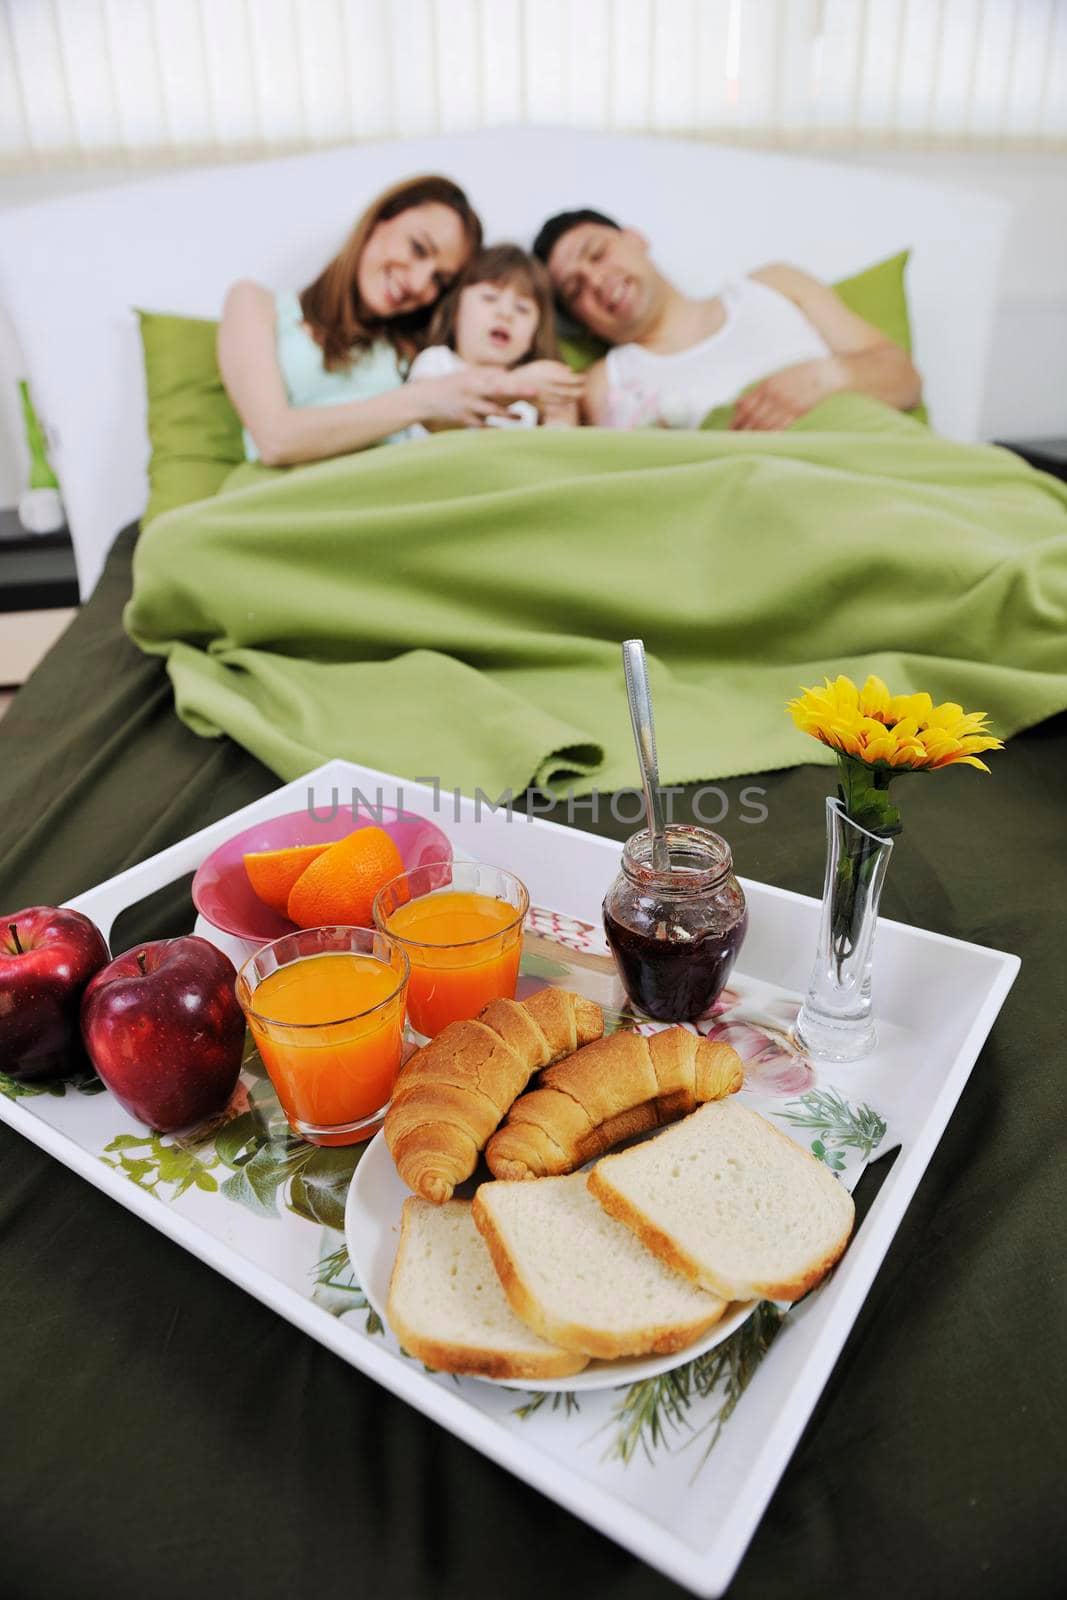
x=105 y=903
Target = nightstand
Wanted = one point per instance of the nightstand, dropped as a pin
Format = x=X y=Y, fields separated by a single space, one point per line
x=38 y=595
x=1048 y=455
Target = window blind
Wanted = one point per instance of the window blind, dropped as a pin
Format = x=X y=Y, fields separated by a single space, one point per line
x=153 y=79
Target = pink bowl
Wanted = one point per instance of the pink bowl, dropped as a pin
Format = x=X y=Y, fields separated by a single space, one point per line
x=223 y=894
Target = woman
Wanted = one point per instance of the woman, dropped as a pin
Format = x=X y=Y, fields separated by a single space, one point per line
x=321 y=373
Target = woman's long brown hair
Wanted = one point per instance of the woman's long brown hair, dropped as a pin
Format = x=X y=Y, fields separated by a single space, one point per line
x=331 y=305
x=502 y=264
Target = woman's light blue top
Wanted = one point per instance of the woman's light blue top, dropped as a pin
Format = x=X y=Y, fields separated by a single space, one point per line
x=307 y=381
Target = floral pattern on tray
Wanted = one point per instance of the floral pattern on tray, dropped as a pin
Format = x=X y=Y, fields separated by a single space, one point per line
x=571 y=932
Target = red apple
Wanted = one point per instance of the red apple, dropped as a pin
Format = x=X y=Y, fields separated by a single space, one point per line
x=165 y=1032
x=47 y=956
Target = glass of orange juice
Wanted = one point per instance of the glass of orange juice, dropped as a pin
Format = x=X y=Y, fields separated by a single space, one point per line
x=326 y=1009
x=461 y=925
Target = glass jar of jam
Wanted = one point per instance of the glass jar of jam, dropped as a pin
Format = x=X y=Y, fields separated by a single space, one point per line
x=675 y=935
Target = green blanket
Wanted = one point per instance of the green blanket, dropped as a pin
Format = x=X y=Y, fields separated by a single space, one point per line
x=454 y=608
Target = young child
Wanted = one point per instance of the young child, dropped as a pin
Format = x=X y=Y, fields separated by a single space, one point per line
x=499 y=313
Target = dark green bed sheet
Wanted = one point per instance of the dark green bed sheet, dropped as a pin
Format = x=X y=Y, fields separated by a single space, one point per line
x=166 y=1435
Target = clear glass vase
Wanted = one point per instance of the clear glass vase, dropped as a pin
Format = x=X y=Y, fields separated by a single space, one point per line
x=836 y=1021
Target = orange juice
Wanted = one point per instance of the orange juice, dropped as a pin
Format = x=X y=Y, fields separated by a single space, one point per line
x=464 y=950
x=331 y=1066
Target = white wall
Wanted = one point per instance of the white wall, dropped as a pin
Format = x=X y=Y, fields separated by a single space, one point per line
x=1026 y=389
x=1026 y=385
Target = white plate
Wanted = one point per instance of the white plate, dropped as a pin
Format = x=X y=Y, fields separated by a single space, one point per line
x=372 y=1231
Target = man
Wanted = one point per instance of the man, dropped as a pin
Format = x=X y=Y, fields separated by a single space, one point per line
x=673 y=358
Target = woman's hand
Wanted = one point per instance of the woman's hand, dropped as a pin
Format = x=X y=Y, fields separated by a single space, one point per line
x=789 y=394
x=547 y=383
x=464 y=399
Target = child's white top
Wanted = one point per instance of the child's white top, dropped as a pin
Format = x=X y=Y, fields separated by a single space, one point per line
x=438 y=361
x=763 y=332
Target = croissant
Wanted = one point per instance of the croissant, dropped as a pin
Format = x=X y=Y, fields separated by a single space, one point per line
x=451 y=1094
x=611 y=1090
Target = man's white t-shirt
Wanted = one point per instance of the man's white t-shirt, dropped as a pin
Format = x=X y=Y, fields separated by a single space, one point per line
x=763 y=332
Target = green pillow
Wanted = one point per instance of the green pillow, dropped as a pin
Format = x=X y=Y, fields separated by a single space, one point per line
x=580 y=349
x=878 y=296
x=193 y=429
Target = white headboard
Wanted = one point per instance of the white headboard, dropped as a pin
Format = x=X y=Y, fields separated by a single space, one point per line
x=72 y=270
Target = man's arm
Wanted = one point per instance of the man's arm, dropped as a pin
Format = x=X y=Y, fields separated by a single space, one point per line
x=565 y=415
x=594 y=401
x=861 y=358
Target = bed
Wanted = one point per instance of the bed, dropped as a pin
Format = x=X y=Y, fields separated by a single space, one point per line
x=168 y=1433
x=174 y=244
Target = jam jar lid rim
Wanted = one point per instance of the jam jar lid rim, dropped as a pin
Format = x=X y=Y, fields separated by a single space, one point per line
x=689 y=883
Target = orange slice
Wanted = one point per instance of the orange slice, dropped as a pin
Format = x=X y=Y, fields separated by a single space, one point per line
x=272 y=873
x=340 y=886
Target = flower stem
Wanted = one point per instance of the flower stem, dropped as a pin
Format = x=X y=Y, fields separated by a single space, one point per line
x=854 y=872
x=864 y=795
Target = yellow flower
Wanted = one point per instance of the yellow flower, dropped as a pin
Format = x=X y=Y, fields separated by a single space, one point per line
x=905 y=731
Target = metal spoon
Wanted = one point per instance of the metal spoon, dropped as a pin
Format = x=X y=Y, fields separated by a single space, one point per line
x=640 y=699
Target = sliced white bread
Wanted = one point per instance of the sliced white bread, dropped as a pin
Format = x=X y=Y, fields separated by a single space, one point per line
x=726 y=1199
x=583 y=1280
x=446 y=1305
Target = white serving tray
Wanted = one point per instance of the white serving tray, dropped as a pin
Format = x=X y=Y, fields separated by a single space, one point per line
x=691 y=1511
